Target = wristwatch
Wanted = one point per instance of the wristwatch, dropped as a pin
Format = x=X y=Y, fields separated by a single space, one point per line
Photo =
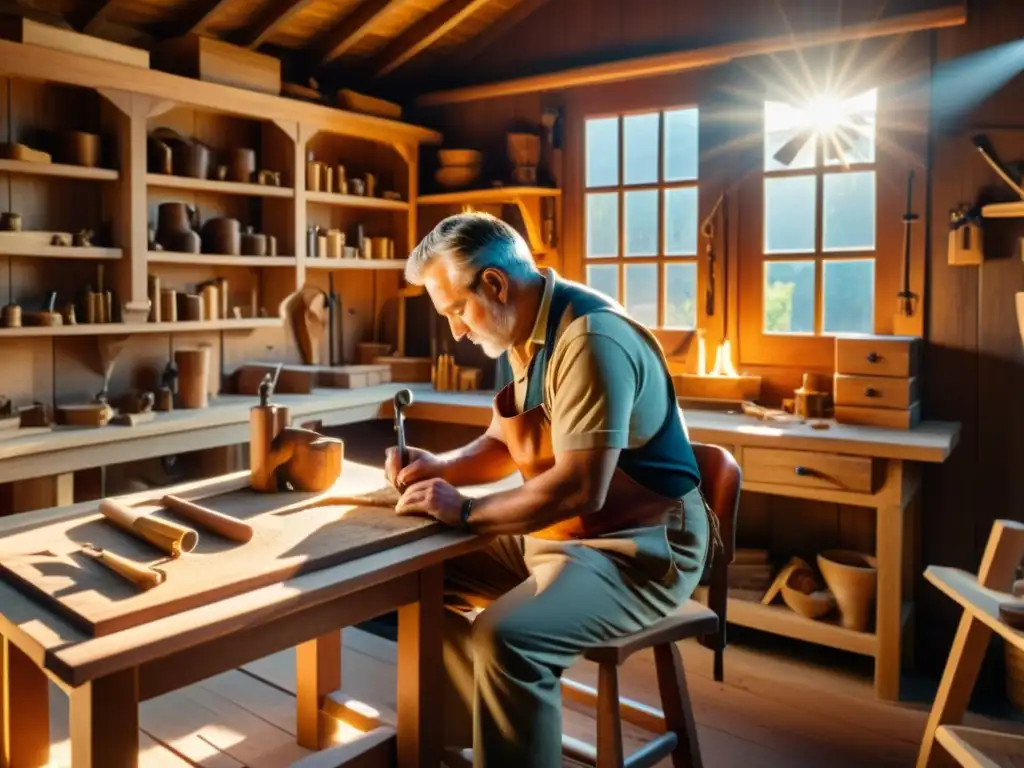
x=467 y=507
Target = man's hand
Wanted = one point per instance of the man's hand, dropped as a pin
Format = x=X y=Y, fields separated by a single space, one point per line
x=433 y=497
x=422 y=465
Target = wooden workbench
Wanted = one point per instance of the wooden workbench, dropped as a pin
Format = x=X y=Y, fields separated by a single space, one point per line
x=106 y=677
x=869 y=467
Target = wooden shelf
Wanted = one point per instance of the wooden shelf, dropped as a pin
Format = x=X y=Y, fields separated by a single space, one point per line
x=526 y=199
x=781 y=620
x=165 y=181
x=199 y=259
x=355 y=263
x=490 y=196
x=356 y=201
x=1014 y=210
x=979 y=747
x=58 y=251
x=59 y=170
x=127 y=329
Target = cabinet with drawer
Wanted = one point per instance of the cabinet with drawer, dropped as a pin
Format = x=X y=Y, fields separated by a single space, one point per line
x=856 y=474
x=877 y=381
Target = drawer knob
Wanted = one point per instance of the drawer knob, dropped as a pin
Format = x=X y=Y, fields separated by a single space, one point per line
x=871 y=392
x=872 y=357
x=802 y=471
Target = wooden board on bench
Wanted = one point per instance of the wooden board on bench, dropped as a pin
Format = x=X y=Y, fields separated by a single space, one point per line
x=301 y=379
x=46 y=563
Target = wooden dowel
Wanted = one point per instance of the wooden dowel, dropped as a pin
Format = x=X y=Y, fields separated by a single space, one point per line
x=169 y=537
x=141 y=575
x=223 y=525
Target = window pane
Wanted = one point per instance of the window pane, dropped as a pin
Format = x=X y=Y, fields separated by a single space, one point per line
x=603 y=224
x=681 y=296
x=642 y=293
x=789 y=214
x=641 y=212
x=789 y=297
x=602 y=147
x=682 y=146
x=604 y=278
x=848 y=211
x=640 y=145
x=681 y=221
x=852 y=139
x=849 y=288
x=789 y=140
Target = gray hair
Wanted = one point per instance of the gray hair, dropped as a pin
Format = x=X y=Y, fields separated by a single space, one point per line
x=472 y=241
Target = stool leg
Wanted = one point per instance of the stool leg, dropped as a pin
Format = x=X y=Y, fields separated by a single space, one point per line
x=675 y=701
x=609 y=725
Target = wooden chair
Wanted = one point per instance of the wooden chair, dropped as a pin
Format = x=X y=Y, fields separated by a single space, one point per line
x=721 y=478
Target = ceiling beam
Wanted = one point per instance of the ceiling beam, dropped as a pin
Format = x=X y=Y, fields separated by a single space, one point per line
x=91 y=12
x=195 y=19
x=272 y=17
x=424 y=33
x=700 y=58
x=473 y=47
x=352 y=28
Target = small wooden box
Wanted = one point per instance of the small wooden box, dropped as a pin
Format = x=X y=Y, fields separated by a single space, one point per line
x=21 y=30
x=872 y=355
x=407 y=369
x=214 y=61
x=353 y=376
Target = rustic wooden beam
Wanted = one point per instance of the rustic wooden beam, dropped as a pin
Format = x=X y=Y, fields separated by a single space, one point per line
x=91 y=12
x=699 y=58
x=351 y=29
x=272 y=17
x=473 y=47
x=424 y=33
x=200 y=13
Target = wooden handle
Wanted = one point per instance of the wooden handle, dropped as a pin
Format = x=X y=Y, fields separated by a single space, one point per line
x=141 y=575
x=169 y=537
x=223 y=525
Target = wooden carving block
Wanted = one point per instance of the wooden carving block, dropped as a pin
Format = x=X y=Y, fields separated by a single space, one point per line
x=303 y=460
x=215 y=61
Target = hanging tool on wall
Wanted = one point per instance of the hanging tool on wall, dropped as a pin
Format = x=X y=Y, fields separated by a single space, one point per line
x=707 y=229
x=907 y=299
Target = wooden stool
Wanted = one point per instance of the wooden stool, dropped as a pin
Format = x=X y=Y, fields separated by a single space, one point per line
x=720 y=483
x=979 y=596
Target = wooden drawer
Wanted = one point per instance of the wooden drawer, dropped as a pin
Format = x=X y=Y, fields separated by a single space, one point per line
x=878 y=355
x=808 y=469
x=890 y=418
x=875 y=391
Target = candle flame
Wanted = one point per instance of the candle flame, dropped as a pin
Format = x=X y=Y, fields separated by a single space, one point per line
x=723 y=359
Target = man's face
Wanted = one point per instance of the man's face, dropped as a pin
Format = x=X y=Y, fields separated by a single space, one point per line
x=484 y=315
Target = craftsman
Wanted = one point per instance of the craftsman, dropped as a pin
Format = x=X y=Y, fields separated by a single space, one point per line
x=609 y=531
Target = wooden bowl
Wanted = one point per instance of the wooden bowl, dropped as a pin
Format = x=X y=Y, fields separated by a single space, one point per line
x=802 y=592
x=452 y=157
x=456 y=176
x=853 y=578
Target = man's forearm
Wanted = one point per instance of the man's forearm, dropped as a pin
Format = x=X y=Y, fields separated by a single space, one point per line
x=549 y=498
x=485 y=460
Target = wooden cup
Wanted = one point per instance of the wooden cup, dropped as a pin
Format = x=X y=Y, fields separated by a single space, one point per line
x=193 y=375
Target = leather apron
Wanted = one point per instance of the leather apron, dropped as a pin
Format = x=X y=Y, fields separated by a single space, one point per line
x=628 y=505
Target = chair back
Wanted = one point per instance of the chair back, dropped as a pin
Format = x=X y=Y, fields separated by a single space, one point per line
x=721 y=479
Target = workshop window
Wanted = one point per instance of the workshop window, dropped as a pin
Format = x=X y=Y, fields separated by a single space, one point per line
x=640 y=213
x=819 y=216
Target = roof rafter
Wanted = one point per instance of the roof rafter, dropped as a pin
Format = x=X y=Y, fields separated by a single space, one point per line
x=272 y=17
x=352 y=28
x=199 y=13
x=424 y=33
x=473 y=47
x=91 y=12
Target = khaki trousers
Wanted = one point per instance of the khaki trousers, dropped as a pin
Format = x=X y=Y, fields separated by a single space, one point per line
x=546 y=602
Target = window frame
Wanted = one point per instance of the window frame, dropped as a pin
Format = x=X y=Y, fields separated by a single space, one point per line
x=890 y=166
x=661 y=260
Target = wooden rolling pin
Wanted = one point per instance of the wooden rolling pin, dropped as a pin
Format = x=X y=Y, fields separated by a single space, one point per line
x=223 y=525
x=169 y=537
x=141 y=575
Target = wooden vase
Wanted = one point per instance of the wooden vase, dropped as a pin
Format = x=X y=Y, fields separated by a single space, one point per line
x=193 y=374
x=852 y=577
